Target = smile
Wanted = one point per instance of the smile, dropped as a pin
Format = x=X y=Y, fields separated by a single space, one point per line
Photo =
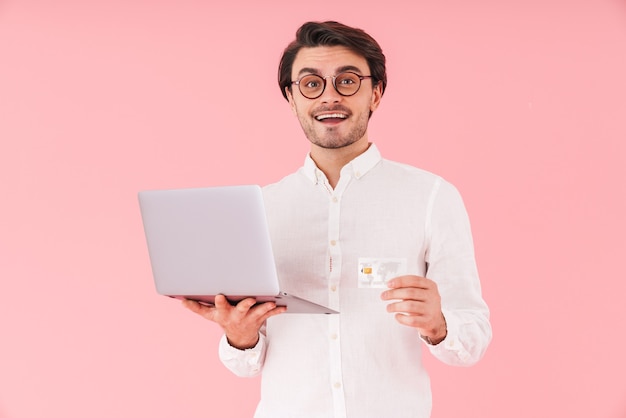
x=331 y=116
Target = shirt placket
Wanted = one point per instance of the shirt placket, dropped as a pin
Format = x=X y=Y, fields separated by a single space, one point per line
x=334 y=276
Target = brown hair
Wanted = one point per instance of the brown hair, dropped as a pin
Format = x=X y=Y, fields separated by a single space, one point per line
x=330 y=33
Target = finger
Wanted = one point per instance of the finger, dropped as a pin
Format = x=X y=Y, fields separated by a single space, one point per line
x=244 y=305
x=221 y=303
x=262 y=311
x=268 y=309
x=410 y=320
x=412 y=293
x=276 y=311
x=192 y=305
x=410 y=281
x=262 y=308
x=198 y=308
x=409 y=307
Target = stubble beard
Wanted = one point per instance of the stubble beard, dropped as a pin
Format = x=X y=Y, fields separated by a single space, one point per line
x=330 y=138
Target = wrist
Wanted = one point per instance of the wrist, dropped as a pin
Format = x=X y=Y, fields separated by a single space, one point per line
x=243 y=344
x=437 y=335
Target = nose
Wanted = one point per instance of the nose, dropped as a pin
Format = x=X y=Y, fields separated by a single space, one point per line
x=330 y=93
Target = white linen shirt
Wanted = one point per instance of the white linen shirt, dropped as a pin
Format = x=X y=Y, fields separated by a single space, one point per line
x=361 y=362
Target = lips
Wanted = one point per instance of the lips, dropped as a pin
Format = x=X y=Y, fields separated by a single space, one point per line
x=331 y=116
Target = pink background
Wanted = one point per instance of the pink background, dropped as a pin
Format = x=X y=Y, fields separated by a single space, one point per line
x=521 y=104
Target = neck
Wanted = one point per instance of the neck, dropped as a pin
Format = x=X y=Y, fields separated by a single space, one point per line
x=332 y=160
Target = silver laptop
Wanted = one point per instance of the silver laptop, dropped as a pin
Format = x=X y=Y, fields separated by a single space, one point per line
x=209 y=241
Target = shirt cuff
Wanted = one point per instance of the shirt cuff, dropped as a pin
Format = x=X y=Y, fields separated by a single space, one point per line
x=451 y=344
x=247 y=359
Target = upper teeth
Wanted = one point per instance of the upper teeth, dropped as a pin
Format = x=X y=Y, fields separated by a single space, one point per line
x=332 y=115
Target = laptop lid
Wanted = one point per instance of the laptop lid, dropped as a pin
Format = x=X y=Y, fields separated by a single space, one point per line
x=208 y=241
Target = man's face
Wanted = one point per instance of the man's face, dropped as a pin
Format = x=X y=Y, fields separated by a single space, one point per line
x=350 y=114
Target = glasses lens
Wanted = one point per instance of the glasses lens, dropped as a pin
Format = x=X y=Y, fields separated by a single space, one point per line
x=311 y=86
x=347 y=83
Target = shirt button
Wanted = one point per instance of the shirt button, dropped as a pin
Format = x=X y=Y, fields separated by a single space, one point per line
x=333 y=242
x=335 y=200
x=337 y=385
x=333 y=288
x=333 y=336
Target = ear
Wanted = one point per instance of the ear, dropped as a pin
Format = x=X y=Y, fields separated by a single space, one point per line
x=377 y=94
x=292 y=102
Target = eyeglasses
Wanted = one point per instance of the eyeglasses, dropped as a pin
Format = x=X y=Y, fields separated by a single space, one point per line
x=347 y=84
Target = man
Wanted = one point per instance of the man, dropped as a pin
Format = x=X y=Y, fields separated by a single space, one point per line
x=340 y=225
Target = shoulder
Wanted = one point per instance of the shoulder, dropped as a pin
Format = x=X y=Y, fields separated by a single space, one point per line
x=431 y=185
x=406 y=174
x=287 y=182
x=407 y=170
x=289 y=187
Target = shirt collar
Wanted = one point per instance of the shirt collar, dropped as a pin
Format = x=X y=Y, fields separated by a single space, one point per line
x=360 y=166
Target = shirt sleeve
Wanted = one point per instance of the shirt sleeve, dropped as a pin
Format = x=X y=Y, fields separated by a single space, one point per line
x=451 y=264
x=243 y=363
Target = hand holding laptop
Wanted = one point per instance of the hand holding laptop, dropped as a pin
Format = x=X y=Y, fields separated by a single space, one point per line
x=241 y=323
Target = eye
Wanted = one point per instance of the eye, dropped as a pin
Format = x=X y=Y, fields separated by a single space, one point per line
x=347 y=79
x=312 y=84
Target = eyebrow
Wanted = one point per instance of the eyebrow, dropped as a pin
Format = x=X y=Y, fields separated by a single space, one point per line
x=310 y=70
